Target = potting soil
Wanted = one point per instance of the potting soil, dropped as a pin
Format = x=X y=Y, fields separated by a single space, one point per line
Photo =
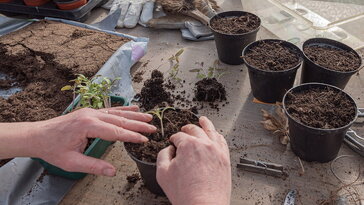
x=271 y=56
x=173 y=121
x=44 y=57
x=209 y=90
x=332 y=58
x=321 y=108
x=154 y=93
x=236 y=24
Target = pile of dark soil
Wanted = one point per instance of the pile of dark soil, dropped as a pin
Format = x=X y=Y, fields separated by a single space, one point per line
x=332 y=58
x=236 y=25
x=209 y=90
x=271 y=56
x=173 y=121
x=42 y=58
x=321 y=108
x=153 y=93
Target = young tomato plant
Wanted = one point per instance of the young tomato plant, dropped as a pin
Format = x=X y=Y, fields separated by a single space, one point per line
x=159 y=112
x=174 y=65
x=92 y=94
x=212 y=72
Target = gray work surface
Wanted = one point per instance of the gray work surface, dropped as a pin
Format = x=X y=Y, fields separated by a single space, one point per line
x=240 y=123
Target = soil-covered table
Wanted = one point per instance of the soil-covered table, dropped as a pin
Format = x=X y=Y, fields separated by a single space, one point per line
x=239 y=121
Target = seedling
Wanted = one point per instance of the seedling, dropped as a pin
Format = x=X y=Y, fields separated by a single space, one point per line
x=159 y=112
x=92 y=94
x=212 y=72
x=174 y=65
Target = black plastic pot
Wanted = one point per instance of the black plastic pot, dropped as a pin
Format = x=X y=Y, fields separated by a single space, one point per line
x=270 y=86
x=312 y=72
x=315 y=144
x=148 y=172
x=230 y=46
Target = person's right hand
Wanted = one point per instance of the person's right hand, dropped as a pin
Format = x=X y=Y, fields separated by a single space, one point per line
x=199 y=171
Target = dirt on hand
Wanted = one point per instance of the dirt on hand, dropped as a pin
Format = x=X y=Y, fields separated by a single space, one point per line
x=153 y=93
x=272 y=56
x=321 y=108
x=332 y=58
x=173 y=121
x=209 y=90
x=236 y=24
x=42 y=58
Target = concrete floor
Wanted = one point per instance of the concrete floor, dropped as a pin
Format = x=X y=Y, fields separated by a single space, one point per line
x=239 y=121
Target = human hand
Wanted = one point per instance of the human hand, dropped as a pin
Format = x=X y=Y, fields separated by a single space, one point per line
x=132 y=11
x=62 y=140
x=200 y=172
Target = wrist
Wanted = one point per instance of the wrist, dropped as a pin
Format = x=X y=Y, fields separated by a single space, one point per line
x=16 y=139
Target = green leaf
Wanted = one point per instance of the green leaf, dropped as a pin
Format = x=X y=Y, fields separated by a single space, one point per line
x=180 y=52
x=201 y=76
x=195 y=70
x=67 y=87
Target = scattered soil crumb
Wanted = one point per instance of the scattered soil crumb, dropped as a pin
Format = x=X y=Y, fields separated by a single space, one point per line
x=138 y=76
x=134 y=178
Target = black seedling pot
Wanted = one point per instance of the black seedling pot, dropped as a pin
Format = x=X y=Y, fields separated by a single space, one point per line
x=315 y=144
x=270 y=86
x=230 y=46
x=312 y=72
x=148 y=172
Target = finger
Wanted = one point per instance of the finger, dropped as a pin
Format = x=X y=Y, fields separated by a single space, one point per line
x=134 y=108
x=165 y=157
x=195 y=131
x=110 y=132
x=125 y=123
x=209 y=128
x=178 y=138
x=147 y=12
x=77 y=162
x=131 y=115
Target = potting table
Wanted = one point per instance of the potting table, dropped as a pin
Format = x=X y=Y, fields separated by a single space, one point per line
x=239 y=121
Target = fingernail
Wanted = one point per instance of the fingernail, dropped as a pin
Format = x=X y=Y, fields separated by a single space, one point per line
x=109 y=172
x=153 y=128
x=144 y=139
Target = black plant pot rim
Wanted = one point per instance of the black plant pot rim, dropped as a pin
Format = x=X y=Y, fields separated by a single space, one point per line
x=248 y=47
x=241 y=12
x=138 y=160
x=326 y=43
x=314 y=128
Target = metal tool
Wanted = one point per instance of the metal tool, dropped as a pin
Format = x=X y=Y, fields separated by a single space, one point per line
x=290 y=198
x=353 y=140
x=260 y=167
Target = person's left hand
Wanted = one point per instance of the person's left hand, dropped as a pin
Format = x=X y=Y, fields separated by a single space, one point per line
x=61 y=141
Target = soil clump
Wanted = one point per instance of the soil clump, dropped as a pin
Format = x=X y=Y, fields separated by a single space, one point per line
x=209 y=90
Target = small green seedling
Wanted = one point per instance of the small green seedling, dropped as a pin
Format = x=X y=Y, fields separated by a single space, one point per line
x=174 y=65
x=159 y=112
x=212 y=72
x=92 y=94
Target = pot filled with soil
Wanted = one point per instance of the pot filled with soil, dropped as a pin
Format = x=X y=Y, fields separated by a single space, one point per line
x=272 y=66
x=169 y=121
x=329 y=61
x=35 y=2
x=233 y=30
x=319 y=116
